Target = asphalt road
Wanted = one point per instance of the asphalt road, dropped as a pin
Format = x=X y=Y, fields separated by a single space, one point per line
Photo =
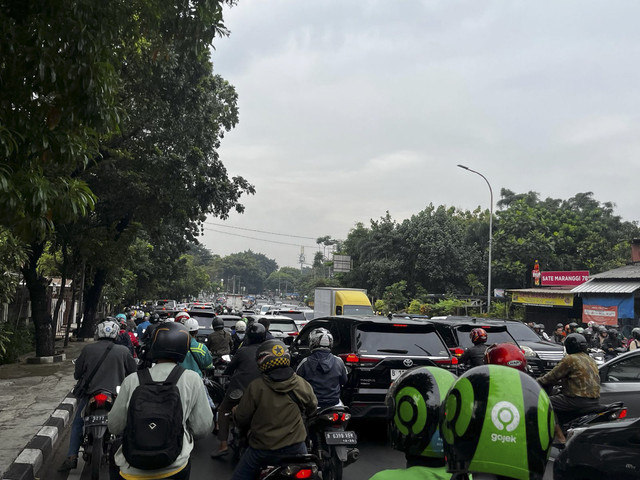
x=376 y=455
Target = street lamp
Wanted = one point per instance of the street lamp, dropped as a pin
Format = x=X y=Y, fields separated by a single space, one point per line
x=490 y=232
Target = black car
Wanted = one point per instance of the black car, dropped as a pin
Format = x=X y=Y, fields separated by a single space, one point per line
x=376 y=351
x=541 y=355
x=606 y=451
x=204 y=319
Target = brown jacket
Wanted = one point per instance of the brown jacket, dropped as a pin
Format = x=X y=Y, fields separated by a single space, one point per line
x=578 y=375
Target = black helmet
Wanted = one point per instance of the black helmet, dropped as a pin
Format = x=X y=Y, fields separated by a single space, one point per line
x=635 y=333
x=573 y=326
x=559 y=325
x=413 y=410
x=497 y=420
x=272 y=354
x=217 y=323
x=256 y=333
x=155 y=318
x=538 y=326
x=575 y=343
x=170 y=341
x=612 y=331
x=602 y=329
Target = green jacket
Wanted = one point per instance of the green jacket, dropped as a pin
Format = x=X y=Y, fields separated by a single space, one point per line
x=413 y=473
x=198 y=358
x=271 y=415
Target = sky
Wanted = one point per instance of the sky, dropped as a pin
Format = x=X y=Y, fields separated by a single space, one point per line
x=351 y=108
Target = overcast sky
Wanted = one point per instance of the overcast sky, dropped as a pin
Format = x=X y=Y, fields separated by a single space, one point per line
x=350 y=108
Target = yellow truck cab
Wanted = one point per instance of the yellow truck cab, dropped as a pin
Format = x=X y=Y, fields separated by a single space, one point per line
x=330 y=301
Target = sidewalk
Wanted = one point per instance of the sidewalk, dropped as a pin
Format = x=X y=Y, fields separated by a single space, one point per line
x=29 y=395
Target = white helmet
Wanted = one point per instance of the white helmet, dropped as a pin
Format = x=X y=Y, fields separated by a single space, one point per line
x=192 y=324
x=182 y=317
x=320 y=338
x=108 y=329
x=140 y=314
x=241 y=326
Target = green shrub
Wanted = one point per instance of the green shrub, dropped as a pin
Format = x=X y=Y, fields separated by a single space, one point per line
x=15 y=342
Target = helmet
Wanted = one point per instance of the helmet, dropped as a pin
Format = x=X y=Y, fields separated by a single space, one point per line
x=108 y=328
x=538 y=326
x=155 y=318
x=559 y=325
x=121 y=316
x=191 y=324
x=591 y=324
x=635 y=333
x=573 y=326
x=575 y=343
x=579 y=330
x=182 y=317
x=217 y=323
x=320 y=338
x=612 y=331
x=256 y=332
x=240 y=326
x=506 y=354
x=413 y=410
x=602 y=329
x=139 y=314
x=478 y=335
x=170 y=341
x=272 y=354
x=497 y=420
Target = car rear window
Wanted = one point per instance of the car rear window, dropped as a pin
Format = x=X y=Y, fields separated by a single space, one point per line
x=399 y=339
x=493 y=335
x=281 y=326
x=293 y=315
x=204 y=322
x=523 y=333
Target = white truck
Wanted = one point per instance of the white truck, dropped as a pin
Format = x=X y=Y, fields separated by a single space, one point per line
x=331 y=301
x=234 y=301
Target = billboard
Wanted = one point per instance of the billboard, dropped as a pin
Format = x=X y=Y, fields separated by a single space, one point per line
x=570 y=278
x=341 y=263
x=600 y=314
x=542 y=299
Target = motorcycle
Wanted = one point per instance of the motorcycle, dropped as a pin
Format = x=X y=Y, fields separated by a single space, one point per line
x=331 y=443
x=298 y=466
x=96 y=439
x=597 y=354
x=237 y=438
x=598 y=414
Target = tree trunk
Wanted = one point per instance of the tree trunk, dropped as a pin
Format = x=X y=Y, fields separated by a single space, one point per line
x=63 y=284
x=37 y=286
x=91 y=304
x=74 y=291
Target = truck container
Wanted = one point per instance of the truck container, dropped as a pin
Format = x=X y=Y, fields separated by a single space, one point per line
x=331 y=301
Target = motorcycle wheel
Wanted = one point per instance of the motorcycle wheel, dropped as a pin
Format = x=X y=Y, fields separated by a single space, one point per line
x=96 y=457
x=331 y=468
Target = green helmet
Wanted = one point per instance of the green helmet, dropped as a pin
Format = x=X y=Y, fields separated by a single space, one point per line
x=497 y=420
x=413 y=410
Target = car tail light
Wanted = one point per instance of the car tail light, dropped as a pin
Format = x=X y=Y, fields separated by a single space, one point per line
x=293 y=334
x=354 y=359
x=457 y=351
x=454 y=361
x=400 y=325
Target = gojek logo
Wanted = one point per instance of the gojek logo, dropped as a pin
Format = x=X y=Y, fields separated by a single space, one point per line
x=505 y=416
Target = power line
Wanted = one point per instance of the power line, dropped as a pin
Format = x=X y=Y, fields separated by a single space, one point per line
x=261 y=239
x=260 y=231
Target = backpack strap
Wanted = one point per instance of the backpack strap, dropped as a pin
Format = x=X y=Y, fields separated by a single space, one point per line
x=144 y=376
x=174 y=376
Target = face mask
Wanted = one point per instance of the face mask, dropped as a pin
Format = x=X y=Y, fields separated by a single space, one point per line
x=240 y=335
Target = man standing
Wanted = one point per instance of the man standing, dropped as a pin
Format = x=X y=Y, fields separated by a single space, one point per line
x=102 y=365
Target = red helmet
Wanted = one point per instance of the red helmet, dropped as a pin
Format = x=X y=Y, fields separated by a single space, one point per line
x=506 y=354
x=478 y=335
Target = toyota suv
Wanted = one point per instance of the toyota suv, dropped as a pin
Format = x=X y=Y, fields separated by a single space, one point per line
x=376 y=351
x=541 y=355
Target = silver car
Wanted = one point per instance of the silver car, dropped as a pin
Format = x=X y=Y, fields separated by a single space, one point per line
x=620 y=381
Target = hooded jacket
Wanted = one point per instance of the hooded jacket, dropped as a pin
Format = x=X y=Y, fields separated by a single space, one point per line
x=326 y=373
x=272 y=416
x=243 y=368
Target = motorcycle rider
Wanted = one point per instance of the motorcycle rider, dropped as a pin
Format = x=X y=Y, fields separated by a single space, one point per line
x=496 y=425
x=635 y=342
x=423 y=390
x=182 y=317
x=474 y=356
x=611 y=344
x=219 y=341
x=114 y=367
x=539 y=329
x=169 y=347
x=598 y=339
x=272 y=410
x=198 y=357
x=578 y=374
x=558 y=334
x=324 y=371
x=140 y=329
x=242 y=369
x=127 y=338
x=238 y=336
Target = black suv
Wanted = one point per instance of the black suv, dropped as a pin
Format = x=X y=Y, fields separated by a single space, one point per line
x=204 y=319
x=376 y=351
x=541 y=355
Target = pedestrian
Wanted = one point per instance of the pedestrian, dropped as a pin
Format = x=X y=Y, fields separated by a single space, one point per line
x=102 y=365
x=132 y=412
x=422 y=446
x=272 y=409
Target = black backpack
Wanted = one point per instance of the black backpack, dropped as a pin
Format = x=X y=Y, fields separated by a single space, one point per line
x=153 y=435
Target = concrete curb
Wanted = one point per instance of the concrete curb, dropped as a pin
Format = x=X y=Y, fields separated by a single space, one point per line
x=41 y=446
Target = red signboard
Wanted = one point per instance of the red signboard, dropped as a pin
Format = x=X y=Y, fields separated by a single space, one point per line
x=600 y=315
x=572 y=278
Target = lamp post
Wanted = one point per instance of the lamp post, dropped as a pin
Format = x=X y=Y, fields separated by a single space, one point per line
x=490 y=232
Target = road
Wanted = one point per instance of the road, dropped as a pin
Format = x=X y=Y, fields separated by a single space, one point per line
x=376 y=455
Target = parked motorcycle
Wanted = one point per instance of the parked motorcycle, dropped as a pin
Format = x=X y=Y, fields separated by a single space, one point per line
x=298 y=466
x=96 y=439
x=329 y=440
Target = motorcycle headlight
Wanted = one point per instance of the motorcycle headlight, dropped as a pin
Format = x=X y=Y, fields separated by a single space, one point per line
x=528 y=351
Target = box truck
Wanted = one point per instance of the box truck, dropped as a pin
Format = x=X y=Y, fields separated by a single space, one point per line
x=331 y=301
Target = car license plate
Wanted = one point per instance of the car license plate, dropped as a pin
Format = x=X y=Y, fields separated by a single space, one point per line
x=396 y=373
x=341 y=438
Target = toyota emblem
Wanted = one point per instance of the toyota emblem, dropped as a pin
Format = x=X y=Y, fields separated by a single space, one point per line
x=407 y=362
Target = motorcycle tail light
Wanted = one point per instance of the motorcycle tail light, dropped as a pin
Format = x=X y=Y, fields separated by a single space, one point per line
x=100 y=399
x=622 y=414
x=304 y=473
x=344 y=417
